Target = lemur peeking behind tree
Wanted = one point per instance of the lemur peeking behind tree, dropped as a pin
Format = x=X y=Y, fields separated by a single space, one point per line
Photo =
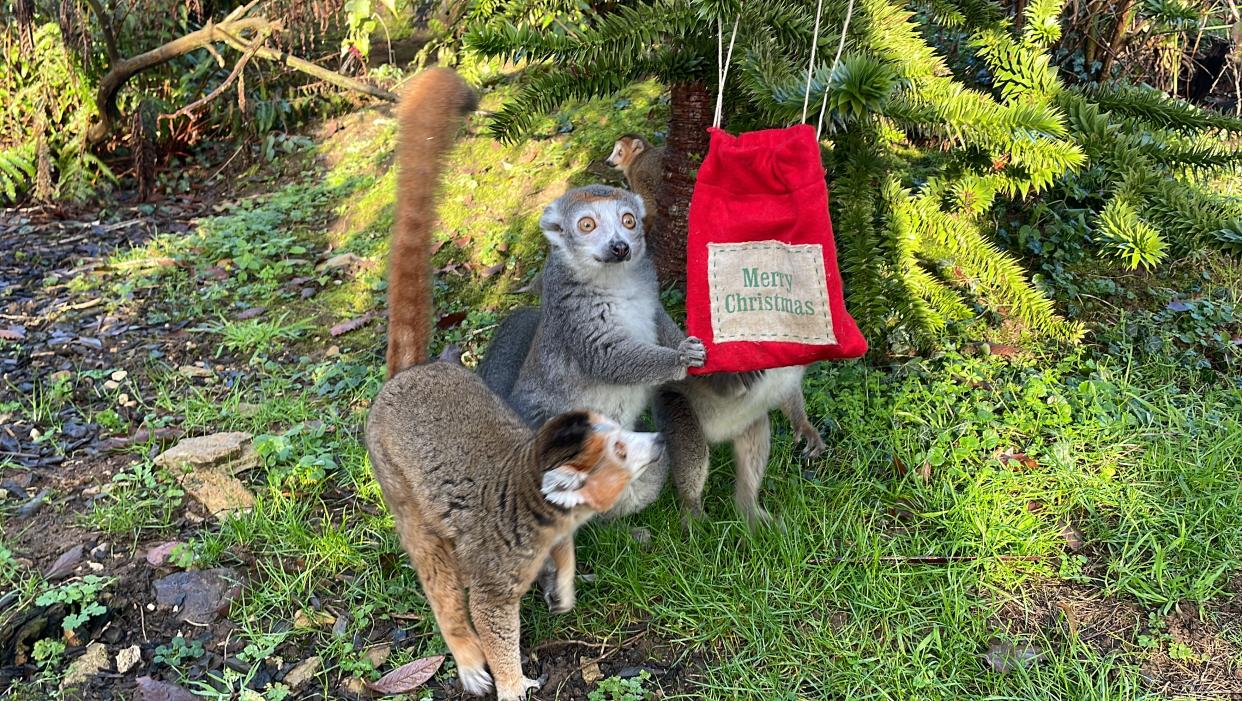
x=643 y=167
x=480 y=500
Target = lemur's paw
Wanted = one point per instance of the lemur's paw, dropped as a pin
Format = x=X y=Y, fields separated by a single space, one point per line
x=690 y=516
x=475 y=680
x=559 y=602
x=812 y=443
x=693 y=352
x=519 y=690
x=756 y=517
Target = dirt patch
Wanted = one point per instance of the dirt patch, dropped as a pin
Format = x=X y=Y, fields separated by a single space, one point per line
x=570 y=669
x=1188 y=652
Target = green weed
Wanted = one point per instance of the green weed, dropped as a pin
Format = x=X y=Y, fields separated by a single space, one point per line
x=618 y=689
x=81 y=596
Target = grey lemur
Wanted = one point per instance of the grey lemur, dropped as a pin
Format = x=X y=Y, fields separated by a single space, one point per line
x=479 y=498
x=602 y=340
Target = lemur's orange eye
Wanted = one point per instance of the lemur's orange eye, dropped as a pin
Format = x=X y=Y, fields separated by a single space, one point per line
x=620 y=448
x=628 y=221
x=586 y=225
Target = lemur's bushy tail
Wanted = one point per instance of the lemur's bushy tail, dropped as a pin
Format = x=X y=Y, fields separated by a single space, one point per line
x=430 y=113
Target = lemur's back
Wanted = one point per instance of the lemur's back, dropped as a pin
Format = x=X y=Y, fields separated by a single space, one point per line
x=445 y=457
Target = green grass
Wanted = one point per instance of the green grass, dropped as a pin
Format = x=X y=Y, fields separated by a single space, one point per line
x=876 y=583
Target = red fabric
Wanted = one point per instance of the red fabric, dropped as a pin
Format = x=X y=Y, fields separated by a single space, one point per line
x=756 y=187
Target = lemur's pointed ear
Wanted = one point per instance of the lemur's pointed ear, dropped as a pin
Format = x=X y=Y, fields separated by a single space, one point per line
x=561 y=484
x=566 y=452
x=550 y=222
x=642 y=206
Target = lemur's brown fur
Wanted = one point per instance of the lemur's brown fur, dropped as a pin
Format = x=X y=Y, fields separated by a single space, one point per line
x=480 y=501
x=643 y=167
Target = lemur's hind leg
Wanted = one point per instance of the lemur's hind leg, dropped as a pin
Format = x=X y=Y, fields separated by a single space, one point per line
x=751 y=450
x=689 y=456
x=496 y=620
x=437 y=569
x=794 y=409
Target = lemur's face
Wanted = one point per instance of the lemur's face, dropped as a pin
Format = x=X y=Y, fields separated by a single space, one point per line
x=596 y=226
x=624 y=151
x=605 y=461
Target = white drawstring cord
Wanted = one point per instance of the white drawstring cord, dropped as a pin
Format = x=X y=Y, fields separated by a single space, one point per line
x=810 y=66
x=722 y=61
x=845 y=28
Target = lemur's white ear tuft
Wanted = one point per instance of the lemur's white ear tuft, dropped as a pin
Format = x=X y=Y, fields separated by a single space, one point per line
x=561 y=484
x=642 y=206
x=550 y=219
x=636 y=146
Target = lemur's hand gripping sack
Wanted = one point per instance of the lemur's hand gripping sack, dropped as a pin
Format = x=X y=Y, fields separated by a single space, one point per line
x=762 y=285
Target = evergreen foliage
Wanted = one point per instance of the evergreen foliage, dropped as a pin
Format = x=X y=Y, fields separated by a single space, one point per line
x=1019 y=134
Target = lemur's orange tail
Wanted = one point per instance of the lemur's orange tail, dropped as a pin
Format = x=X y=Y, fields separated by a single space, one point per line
x=428 y=118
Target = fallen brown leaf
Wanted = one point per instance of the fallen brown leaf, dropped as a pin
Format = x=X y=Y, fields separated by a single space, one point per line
x=1071 y=621
x=307 y=620
x=925 y=472
x=1016 y=460
x=152 y=690
x=407 y=677
x=251 y=313
x=158 y=555
x=65 y=564
x=352 y=324
x=1072 y=536
x=142 y=435
x=492 y=271
x=899 y=466
x=13 y=333
x=450 y=320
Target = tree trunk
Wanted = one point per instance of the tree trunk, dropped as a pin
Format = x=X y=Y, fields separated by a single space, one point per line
x=1114 y=45
x=691 y=114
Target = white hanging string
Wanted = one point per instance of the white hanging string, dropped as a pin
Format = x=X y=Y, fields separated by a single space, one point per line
x=722 y=66
x=810 y=66
x=845 y=28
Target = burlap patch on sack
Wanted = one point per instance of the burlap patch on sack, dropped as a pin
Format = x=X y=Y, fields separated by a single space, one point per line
x=769 y=291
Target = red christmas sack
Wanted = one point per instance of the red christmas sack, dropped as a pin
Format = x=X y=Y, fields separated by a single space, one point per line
x=762 y=285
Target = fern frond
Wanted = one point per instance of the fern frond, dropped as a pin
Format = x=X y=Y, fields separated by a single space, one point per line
x=17 y=170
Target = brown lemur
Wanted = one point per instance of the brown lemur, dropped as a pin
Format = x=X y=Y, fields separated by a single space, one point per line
x=643 y=167
x=602 y=341
x=480 y=500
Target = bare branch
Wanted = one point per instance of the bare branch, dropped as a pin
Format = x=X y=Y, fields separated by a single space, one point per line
x=105 y=27
x=188 y=110
x=232 y=30
x=324 y=74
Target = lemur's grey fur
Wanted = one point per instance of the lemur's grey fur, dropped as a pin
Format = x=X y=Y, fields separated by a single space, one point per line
x=603 y=341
